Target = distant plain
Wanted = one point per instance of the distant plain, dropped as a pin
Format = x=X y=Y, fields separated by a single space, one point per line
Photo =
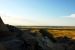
x=57 y=31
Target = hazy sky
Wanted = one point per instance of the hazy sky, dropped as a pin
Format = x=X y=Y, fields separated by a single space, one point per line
x=38 y=12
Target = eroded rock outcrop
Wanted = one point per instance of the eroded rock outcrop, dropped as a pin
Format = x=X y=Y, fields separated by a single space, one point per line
x=12 y=38
x=2 y=26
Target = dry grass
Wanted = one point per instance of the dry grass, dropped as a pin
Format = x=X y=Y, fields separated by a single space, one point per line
x=57 y=32
x=62 y=33
x=68 y=33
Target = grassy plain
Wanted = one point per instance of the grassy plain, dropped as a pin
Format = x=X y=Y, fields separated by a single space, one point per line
x=57 y=31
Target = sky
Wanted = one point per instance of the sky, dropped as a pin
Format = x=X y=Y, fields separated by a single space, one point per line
x=38 y=12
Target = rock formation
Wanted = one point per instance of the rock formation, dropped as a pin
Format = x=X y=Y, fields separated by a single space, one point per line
x=2 y=26
x=12 y=38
